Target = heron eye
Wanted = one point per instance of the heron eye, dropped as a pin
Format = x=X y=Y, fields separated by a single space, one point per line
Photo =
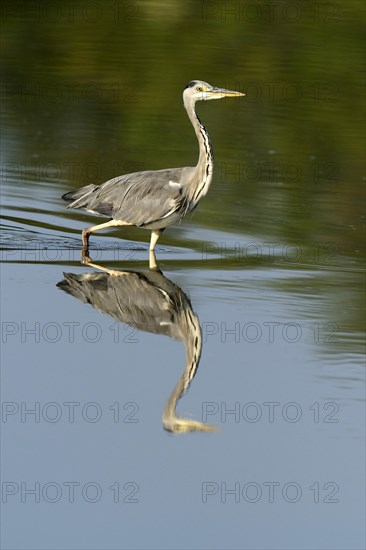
x=199 y=89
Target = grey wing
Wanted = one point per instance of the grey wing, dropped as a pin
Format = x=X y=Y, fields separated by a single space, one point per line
x=141 y=198
x=146 y=301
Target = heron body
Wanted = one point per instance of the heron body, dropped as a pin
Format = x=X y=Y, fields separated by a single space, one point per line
x=155 y=199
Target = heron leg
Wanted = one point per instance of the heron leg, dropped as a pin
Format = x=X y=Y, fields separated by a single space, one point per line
x=86 y=232
x=85 y=258
x=85 y=238
x=154 y=238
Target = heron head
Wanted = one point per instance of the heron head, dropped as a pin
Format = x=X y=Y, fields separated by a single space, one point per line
x=178 y=424
x=198 y=90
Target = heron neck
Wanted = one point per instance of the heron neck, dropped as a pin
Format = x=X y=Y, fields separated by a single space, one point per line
x=205 y=147
x=204 y=165
x=192 y=339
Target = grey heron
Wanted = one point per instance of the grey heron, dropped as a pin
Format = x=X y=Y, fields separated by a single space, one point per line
x=155 y=199
x=147 y=301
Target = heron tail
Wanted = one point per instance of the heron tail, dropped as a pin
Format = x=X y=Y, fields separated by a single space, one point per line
x=80 y=197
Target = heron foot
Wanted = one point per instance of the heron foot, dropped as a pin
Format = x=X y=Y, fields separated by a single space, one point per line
x=153 y=265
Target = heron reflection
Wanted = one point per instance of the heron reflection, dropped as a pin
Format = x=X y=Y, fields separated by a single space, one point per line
x=147 y=301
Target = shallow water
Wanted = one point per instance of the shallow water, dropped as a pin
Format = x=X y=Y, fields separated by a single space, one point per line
x=270 y=265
